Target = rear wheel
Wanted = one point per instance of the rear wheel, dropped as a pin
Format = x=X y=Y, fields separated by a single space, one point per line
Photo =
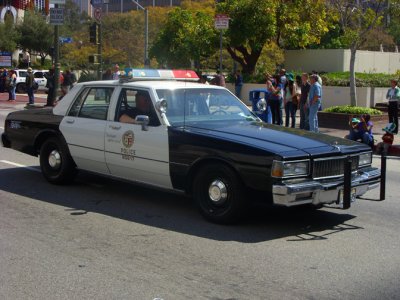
x=219 y=194
x=56 y=163
x=21 y=88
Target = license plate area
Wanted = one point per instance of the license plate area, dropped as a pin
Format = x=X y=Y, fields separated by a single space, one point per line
x=341 y=195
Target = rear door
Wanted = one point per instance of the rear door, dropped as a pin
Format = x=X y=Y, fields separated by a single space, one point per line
x=84 y=127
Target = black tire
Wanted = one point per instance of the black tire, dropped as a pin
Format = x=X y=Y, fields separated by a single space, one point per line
x=220 y=182
x=21 y=88
x=56 y=162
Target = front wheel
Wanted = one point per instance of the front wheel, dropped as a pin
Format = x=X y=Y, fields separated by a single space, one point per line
x=219 y=194
x=56 y=163
x=21 y=88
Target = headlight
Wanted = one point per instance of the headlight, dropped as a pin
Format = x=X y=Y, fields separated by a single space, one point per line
x=290 y=168
x=365 y=159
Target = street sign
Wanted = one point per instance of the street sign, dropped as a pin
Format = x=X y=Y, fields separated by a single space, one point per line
x=65 y=40
x=57 y=2
x=97 y=14
x=96 y=2
x=221 y=21
x=56 y=16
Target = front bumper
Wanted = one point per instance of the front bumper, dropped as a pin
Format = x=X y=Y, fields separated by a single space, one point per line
x=317 y=192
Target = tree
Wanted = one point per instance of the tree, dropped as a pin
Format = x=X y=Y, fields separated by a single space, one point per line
x=357 y=19
x=35 y=34
x=254 y=23
x=186 y=36
x=8 y=36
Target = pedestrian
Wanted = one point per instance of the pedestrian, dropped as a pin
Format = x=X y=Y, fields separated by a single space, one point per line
x=74 y=80
x=117 y=73
x=107 y=75
x=50 y=85
x=3 y=79
x=361 y=129
x=290 y=101
x=29 y=83
x=12 y=85
x=238 y=83
x=387 y=139
x=203 y=79
x=314 y=102
x=393 y=96
x=66 y=83
x=282 y=77
x=305 y=89
x=275 y=100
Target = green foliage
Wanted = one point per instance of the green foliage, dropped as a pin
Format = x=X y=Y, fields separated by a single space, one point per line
x=354 y=110
x=186 y=36
x=35 y=34
x=362 y=79
x=8 y=36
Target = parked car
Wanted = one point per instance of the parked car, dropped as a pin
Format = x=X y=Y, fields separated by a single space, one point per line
x=39 y=78
x=192 y=138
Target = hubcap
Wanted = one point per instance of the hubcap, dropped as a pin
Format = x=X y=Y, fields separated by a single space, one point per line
x=217 y=191
x=54 y=159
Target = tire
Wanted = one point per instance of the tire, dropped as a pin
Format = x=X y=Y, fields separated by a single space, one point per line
x=219 y=194
x=56 y=162
x=21 y=88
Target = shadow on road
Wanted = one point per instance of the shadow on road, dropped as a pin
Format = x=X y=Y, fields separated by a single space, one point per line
x=96 y=194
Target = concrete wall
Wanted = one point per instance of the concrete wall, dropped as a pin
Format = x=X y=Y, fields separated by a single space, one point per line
x=332 y=95
x=338 y=60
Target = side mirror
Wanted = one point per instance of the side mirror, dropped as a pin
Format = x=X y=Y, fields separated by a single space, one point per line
x=162 y=105
x=262 y=105
x=144 y=121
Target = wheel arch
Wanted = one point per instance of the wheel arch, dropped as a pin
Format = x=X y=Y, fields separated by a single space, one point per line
x=46 y=134
x=194 y=169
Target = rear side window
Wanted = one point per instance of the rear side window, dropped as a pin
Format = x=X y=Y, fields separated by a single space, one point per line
x=92 y=103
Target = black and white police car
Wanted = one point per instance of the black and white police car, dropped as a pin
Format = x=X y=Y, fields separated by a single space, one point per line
x=194 y=138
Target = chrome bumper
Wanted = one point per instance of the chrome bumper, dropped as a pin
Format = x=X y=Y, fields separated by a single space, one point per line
x=306 y=191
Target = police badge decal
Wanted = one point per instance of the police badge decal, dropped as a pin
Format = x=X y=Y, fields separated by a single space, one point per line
x=128 y=138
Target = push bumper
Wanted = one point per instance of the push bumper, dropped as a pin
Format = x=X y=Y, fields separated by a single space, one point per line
x=317 y=192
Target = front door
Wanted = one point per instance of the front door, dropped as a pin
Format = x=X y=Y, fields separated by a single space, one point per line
x=133 y=153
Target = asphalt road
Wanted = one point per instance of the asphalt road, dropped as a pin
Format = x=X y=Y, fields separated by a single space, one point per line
x=103 y=239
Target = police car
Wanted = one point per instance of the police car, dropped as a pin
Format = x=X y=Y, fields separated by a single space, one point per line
x=189 y=137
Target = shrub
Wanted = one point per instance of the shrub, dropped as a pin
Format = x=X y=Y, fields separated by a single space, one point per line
x=362 y=79
x=353 y=110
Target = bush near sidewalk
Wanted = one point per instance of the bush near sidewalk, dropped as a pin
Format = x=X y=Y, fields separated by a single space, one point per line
x=353 y=110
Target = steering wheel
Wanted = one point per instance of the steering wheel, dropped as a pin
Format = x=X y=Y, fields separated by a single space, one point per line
x=219 y=112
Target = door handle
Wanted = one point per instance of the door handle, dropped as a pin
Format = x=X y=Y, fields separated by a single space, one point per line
x=70 y=121
x=115 y=127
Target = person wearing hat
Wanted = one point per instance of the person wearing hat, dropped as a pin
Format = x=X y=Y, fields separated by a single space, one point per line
x=393 y=96
x=314 y=102
x=29 y=82
x=361 y=129
x=387 y=139
x=290 y=100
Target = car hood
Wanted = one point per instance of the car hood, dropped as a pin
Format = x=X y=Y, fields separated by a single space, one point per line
x=286 y=142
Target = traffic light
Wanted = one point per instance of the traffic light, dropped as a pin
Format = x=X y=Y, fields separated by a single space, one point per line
x=94 y=33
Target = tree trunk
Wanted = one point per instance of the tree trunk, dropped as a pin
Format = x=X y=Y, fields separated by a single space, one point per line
x=353 y=89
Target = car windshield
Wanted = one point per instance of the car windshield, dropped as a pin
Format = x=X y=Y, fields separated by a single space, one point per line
x=203 y=105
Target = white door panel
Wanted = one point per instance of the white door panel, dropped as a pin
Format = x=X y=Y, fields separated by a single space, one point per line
x=138 y=155
x=85 y=139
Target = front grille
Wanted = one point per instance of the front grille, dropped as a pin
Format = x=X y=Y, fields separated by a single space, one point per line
x=332 y=166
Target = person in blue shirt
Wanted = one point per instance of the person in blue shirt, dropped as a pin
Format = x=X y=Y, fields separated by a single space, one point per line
x=314 y=102
x=361 y=129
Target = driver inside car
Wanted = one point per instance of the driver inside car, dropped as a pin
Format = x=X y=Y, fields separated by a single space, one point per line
x=143 y=107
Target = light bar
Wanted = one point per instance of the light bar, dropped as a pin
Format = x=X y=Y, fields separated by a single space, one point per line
x=154 y=74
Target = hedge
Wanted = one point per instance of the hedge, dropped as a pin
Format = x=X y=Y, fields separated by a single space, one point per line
x=354 y=110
